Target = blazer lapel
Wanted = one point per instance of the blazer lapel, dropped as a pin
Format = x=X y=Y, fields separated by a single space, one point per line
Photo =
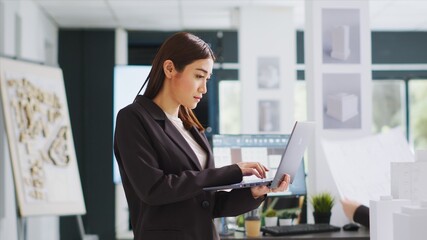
x=157 y=113
x=179 y=140
x=203 y=142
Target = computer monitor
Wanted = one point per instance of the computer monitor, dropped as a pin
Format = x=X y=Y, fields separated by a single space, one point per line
x=264 y=148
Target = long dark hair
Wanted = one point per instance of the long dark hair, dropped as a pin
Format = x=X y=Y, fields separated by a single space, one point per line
x=182 y=49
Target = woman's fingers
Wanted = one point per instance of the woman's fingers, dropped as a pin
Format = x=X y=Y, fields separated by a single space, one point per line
x=284 y=184
x=262 y=190
x=253 y=168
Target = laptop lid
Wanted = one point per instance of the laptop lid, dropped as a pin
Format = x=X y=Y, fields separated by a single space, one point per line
x=299 y=139
x=292 y=156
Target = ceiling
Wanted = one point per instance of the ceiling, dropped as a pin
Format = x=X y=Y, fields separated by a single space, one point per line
x=387 y=15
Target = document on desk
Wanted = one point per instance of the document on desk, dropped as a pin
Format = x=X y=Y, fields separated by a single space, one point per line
x=360 y=167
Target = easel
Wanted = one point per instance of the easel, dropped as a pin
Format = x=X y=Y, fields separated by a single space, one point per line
x=83 y=234
x=22 y=229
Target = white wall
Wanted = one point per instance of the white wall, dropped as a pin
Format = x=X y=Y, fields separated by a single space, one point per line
x=267 y=32
x=25 y=33
x=1 y=26
x=319 y=174
x=7 y=16
x=8 y=219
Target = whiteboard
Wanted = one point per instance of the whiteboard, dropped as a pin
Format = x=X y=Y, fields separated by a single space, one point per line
x=38 y=129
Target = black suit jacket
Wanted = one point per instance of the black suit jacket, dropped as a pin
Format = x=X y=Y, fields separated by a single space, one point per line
x=361 y=215
x=163 y=179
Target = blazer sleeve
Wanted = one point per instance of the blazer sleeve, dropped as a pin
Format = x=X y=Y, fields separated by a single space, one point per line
x=141 y=168
x=361 y=215
x=235 y=202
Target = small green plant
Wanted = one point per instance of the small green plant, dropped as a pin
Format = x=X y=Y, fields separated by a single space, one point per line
x=271 y=213
x=322 y=202
x=287 y=215
x=240 y=220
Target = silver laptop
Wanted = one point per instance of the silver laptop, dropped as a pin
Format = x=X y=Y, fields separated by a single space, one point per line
x=289 y=163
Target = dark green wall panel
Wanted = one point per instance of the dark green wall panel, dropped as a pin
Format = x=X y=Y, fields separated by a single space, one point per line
x=143 y=45
x=87 y=60
x=399 y=47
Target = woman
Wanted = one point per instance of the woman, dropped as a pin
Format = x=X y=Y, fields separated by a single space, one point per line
x=164 y=157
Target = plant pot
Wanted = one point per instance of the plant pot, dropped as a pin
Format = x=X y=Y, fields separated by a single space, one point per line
x=322 y=217
x=285 y=221
x=270 y=221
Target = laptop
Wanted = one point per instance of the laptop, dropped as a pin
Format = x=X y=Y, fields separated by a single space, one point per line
x=290 y=161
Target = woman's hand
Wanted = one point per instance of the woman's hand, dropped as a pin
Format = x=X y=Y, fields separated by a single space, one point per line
x=349 y=207
x=262 y=190
x=252 y=168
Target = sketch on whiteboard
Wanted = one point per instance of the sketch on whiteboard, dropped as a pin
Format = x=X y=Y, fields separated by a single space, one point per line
x=40 y=139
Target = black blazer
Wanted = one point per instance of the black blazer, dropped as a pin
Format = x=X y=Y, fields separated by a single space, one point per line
x=163 y=179
x=361 y=215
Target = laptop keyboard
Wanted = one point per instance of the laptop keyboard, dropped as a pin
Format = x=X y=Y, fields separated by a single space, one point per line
x=299 y=229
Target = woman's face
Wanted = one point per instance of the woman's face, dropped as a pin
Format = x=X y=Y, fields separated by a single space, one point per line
x=189 y=86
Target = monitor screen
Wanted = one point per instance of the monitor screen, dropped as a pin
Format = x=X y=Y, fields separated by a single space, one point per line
x=264 y=148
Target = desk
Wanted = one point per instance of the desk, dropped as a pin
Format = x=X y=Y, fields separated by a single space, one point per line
x=361 y=234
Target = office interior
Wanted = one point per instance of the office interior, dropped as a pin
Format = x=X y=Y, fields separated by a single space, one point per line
x=90 y=40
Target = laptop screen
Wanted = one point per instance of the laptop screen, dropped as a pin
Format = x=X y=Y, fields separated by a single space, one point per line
x=264 y=148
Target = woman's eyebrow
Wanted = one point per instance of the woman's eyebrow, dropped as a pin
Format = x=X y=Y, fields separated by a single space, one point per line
x=203 y=70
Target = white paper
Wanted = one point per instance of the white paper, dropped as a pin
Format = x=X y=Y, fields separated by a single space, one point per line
x=361 y=167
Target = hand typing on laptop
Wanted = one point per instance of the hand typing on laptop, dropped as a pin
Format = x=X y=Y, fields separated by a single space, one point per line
x=253 y=168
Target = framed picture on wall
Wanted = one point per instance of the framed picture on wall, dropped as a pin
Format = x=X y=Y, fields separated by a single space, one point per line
x=341 y=36
x=40 y=139
x=342 y=101
x=268 y=72
x=268 y=115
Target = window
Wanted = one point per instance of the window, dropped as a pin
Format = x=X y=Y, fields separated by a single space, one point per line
x=300 y=101
x=418 y=112
x=388 y=105
x=229 y=107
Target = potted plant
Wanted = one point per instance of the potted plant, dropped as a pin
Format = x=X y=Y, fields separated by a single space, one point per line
x=286 y=218
x=270 y=217
x=322 y=205
x=240 y=221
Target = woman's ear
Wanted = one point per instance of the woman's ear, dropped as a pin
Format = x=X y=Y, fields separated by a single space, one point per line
x=168 y=68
